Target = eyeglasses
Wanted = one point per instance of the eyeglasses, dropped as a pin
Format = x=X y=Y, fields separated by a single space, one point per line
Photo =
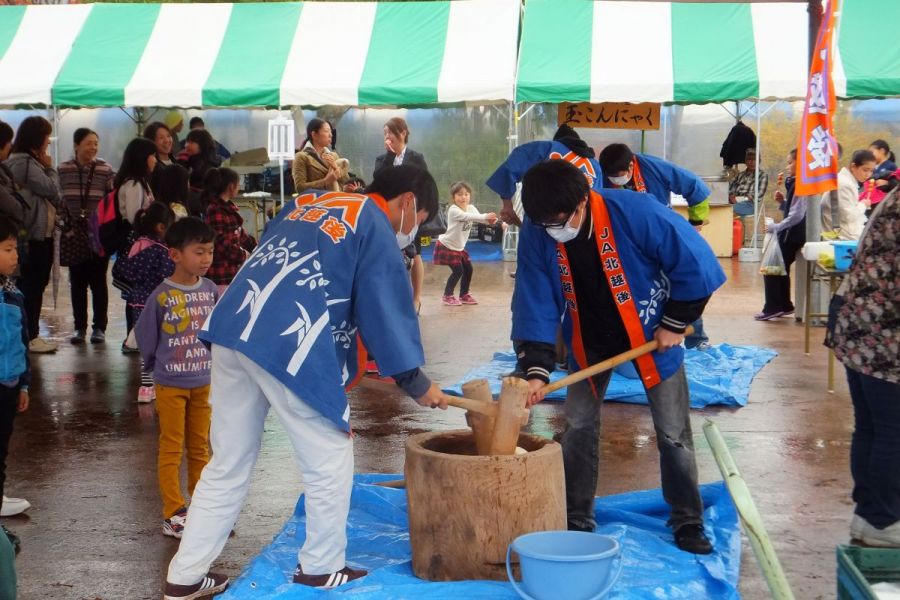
x=559 y=225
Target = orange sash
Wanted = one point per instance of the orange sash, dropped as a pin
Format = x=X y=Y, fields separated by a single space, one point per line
x=639 y=185
x=619 y=287
x=568 y=288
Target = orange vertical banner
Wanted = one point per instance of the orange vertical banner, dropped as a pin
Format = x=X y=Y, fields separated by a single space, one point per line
x=817 y=152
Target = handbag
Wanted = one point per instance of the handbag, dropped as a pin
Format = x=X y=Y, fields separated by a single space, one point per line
x=436 y=225
x=75 y=242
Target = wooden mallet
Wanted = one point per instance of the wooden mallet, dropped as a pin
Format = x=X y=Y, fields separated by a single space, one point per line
x=482 y=407
x=606 y=365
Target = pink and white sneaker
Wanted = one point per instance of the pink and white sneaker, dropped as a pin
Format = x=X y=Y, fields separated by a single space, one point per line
x=146 y=393
x=467 y=299
x=451 y=301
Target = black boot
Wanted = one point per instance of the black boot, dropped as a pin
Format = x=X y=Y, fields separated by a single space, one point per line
x=691 y=538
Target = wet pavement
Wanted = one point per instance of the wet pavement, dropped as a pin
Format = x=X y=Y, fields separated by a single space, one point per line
x=85 y=454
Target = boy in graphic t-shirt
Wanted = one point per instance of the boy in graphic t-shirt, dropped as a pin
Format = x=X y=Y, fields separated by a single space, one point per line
x=166 y=334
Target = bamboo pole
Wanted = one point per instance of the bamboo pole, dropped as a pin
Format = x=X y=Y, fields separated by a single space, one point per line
x=750 y=517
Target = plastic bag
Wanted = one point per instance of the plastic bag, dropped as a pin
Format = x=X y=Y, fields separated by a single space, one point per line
x=772 y=260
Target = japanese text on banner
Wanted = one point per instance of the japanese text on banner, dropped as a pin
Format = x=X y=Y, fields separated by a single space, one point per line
x=817 y=153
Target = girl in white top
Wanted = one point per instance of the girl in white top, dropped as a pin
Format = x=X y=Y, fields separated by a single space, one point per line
x=849 y=211
x=450 y=249
x=133 y=178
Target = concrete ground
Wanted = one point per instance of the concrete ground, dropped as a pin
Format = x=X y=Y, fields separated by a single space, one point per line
x=85 y=454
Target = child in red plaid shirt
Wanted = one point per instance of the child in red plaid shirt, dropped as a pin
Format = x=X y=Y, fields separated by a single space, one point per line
x=233 y=244
x=450 y=249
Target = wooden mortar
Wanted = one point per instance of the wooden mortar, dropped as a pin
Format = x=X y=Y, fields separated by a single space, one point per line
x=465 y=509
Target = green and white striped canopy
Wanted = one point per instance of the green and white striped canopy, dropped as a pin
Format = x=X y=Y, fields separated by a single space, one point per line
x=265 y=54
x=579 y=50
x=420 y=53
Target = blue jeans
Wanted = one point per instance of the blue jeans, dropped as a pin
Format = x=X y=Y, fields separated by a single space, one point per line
x=670 y=408
x=875 y=448
x=743 y=209
x=698 y=337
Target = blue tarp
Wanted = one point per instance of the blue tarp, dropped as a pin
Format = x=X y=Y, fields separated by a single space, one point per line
x=720 y=375
x=653 y=567
x=478 y=251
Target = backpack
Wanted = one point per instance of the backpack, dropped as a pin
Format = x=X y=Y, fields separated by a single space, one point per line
x=12 y=349
x=108 y=229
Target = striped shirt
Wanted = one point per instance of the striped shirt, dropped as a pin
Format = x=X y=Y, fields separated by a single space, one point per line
x=73 y=179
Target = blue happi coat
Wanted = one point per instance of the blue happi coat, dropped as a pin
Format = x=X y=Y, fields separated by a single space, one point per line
x=326 y=271
x=662 y=178
x=513 y=169
x=662 y=256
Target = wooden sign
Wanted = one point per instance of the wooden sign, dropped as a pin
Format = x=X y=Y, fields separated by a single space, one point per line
x=610 y=115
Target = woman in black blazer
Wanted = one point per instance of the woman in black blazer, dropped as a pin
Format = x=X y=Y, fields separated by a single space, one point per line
x=396 y=140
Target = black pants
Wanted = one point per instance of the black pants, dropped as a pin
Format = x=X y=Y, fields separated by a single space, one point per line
x=130 y=319
x=461 y=271
x=875 y=448
x=91 y=274
x=9 y=404
x=34 y=280
x=778 y=287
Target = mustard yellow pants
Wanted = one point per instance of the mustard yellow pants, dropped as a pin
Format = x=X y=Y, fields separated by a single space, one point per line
x=184 y=418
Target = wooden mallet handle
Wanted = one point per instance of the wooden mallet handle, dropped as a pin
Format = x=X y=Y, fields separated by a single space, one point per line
x=606 y=365
x=479 y=406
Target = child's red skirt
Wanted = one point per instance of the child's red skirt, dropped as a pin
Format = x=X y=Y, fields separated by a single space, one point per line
x=451 y=258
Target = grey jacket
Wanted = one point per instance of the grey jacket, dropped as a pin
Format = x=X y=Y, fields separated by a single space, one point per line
x=10 y=206
x=40 y=188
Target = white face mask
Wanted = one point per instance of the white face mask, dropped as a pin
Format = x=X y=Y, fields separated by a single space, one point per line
x=405 y=239
x=566 y=233
x=620 y=181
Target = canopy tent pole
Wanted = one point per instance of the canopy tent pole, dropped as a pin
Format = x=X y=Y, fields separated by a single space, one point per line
x=665 y=132
x=753 y=253
x=54 y=111
x=513 y=126
x=510 y=239
x=137 y=118
x=527 y=110
x=756 y=207
x=280 y=174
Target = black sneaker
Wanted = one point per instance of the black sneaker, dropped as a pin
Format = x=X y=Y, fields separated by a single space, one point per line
x=691 y=538
x=98 y=336
x=209 y=586
x=78 y=338
x=330 y=580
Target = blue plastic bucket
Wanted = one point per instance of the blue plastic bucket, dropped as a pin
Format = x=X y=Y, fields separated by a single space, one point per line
x=574 y=565
x=843 y=253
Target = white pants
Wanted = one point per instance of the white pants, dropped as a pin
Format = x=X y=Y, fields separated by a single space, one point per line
x=241 y=395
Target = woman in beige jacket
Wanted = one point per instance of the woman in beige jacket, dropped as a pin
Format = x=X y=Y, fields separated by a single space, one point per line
x=317 y=166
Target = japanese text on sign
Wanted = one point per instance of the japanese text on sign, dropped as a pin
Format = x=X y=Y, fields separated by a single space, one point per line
x=610 y=115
